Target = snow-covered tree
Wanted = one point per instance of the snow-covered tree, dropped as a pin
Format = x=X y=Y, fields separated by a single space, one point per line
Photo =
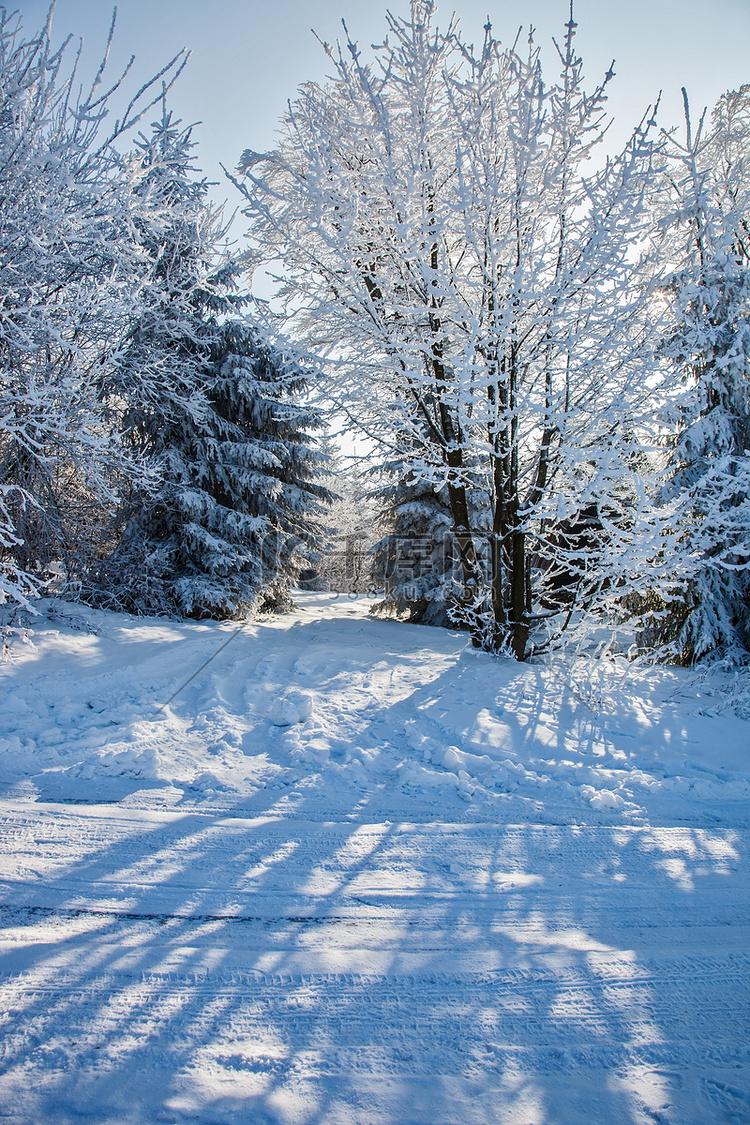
x=212 y=415
x=236 y=510
x=69 y=279
x=478 y=294
x=707 y=232
x=351 y=525
x=414 y=561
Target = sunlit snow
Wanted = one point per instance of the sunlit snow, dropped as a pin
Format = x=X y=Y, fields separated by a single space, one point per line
x=355 y=871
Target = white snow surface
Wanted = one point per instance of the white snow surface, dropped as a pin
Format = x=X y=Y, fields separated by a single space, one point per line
x=326 y=869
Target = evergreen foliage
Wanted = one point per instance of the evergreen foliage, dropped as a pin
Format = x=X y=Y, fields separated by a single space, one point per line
x=414 y=562
x=237 y=502
x=709 y=347
x=224 y=494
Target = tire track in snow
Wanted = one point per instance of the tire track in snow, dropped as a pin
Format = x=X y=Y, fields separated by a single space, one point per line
x=217 y=968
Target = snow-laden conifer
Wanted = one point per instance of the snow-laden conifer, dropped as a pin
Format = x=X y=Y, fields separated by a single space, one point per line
x=416 y=563
x=708 y=346
x=213 y=414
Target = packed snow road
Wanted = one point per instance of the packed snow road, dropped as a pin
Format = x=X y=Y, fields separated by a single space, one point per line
x=355 y=872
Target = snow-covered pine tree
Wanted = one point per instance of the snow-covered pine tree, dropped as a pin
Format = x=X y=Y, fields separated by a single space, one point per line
x=69 y=279
x=709 y=348
x=154 y=392
x=211 y=413
x=261 y=470
x=414 y=561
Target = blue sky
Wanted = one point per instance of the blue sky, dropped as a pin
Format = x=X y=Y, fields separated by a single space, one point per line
x=248 y=56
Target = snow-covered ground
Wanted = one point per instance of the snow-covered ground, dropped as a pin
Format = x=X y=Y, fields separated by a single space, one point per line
x=326 y=869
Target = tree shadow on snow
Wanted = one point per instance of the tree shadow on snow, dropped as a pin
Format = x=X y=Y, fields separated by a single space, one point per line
x=191 y=965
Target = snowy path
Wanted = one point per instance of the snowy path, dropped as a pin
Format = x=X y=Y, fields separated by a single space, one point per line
x=208 y=915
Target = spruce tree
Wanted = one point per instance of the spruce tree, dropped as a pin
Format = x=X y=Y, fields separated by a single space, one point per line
x=224 y=494
x=709 y=347
x=414 y=560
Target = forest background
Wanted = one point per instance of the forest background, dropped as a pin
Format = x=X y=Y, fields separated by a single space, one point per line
x=564 y=339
